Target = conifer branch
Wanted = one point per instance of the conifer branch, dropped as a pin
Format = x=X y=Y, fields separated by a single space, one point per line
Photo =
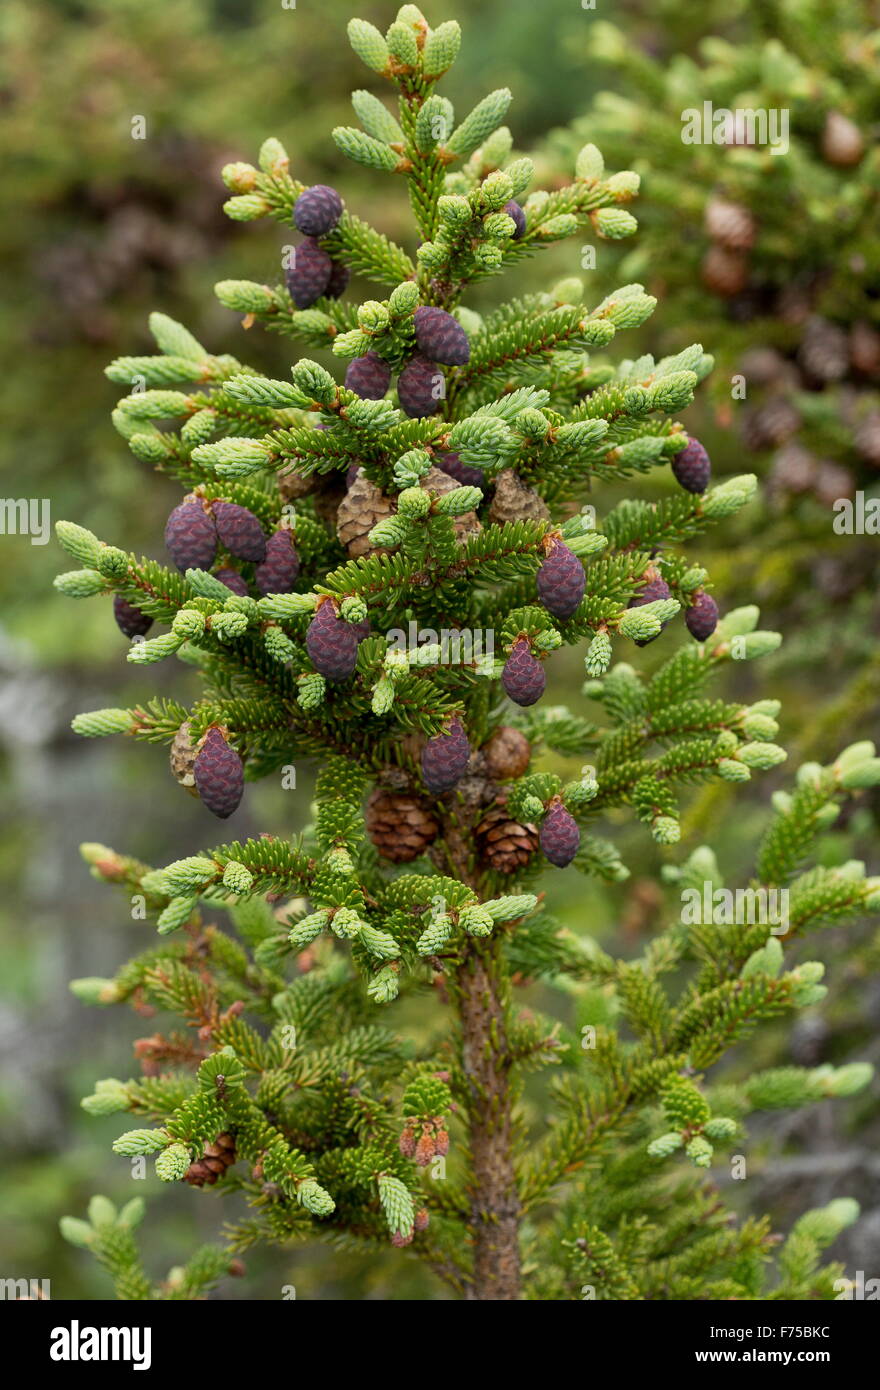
x=343 y=553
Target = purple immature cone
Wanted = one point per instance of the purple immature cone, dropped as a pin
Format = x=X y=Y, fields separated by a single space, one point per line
x=332 y=643
x=233 y=581
x=317 y=210
x=463 y=473
x=419 y=387
x=191 y=537
x=219 y=775
x=655 y=589
x=440 y=336
x=130 y=620
x=239 y=530
x=561 y=581
x=523 y=676
x=368 y=377
x=445 y=757
x=701 y=618
x=560 y=837
x=691 y=466
x=280 y=570
x=514 y=210
x=338 y=282
x=309 y=276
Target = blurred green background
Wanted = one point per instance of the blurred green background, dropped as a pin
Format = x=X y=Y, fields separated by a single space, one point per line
x=100 y=228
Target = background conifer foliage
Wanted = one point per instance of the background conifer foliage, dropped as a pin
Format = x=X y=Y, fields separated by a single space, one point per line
x=373 y=570
x=775 y=265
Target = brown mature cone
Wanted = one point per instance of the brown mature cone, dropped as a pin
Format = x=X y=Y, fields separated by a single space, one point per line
x=833 y=482
x=867 y=438
x=507 y=753
x=437 y=481
x=761 y=366
x=772 y=423
x=730 y=224
x=724 y=272
x=504 y=844
x=824 y=350
x=513 y=501
x=217 y=1157
x=400 y=824
x=182 y=756
x=794 y=303
x=864 y=348
x=295 y=485
x=326 y=488
x=794 y=469
x=837 y=579
x=842 y=142
x=363 y=507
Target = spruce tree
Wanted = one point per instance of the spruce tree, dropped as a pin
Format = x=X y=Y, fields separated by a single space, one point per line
x=775 y=265
x=375 y=577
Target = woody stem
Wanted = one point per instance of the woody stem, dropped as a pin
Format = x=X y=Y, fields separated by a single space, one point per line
x=495 y=1207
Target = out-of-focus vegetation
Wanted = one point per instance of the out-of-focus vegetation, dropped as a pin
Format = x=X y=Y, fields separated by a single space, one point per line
x=102 y=227
x=770 y=256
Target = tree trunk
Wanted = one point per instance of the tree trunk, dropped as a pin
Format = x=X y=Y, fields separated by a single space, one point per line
x=495 y=1208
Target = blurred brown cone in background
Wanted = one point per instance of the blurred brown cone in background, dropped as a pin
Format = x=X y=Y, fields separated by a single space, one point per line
x=730 y=224
x=724 y=272
x=842 y=142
